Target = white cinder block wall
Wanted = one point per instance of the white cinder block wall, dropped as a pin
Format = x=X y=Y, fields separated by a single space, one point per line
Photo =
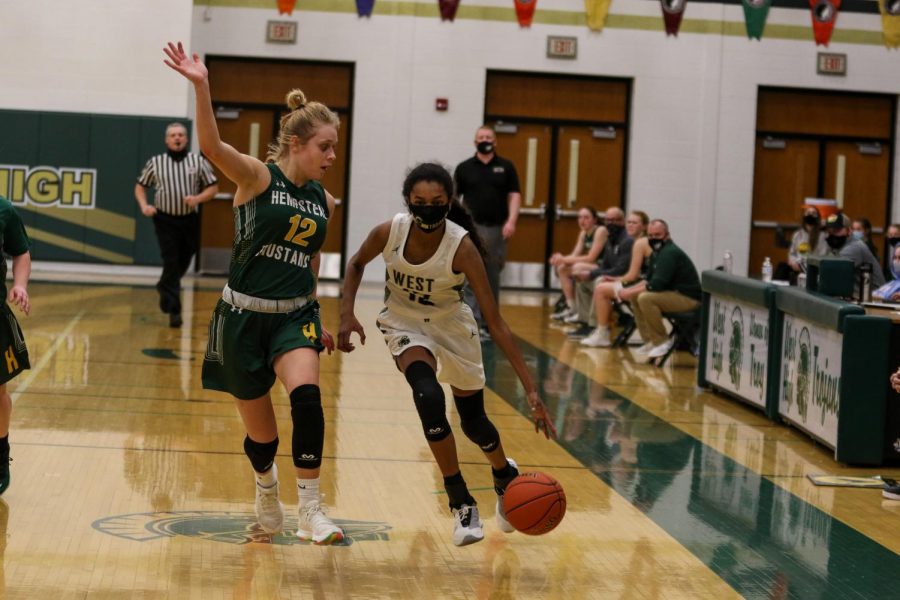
x=693 y=109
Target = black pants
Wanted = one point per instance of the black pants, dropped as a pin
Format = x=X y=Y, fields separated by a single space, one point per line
x=178 y=237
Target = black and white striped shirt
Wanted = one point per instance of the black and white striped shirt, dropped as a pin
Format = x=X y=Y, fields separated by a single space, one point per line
x=175 y=179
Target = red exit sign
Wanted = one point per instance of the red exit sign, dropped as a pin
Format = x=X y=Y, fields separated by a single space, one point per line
x=281 y=32
x=562 y=47
x=831 y=64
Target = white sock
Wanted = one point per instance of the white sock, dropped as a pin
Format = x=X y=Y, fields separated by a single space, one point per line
x=267 y=479
x=308 y=490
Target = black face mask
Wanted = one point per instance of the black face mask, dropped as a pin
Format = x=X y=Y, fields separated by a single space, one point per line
x=836 y=241
x=614 y=230
x=485 y=147
x=811 y=219
x=177 y=155
x=429 y=217
x=893 y=241
x=656 y=244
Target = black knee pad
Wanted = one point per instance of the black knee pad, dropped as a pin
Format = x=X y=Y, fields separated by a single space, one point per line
x=309 y=426
x=261 y=455
x=475 y=423
x=429 y=398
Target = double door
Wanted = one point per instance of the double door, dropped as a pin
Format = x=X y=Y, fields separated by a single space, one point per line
x=248 y=95
x=816 y=144
x=562 y=168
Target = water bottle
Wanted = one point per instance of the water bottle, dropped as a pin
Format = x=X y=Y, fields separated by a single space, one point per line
x=865 y=282
x=727 y=261
x=767 y=270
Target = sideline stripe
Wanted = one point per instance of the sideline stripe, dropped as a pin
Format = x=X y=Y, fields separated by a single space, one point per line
x=51 y=351
x=755 y=535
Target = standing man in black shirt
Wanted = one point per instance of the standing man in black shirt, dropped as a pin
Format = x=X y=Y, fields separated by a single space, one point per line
x=488 y=186
x=183 y=181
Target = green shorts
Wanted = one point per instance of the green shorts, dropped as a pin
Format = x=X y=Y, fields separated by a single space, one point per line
x=12 y=344
x=243 y=345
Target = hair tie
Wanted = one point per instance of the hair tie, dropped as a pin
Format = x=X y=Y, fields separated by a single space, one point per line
x=300 y=107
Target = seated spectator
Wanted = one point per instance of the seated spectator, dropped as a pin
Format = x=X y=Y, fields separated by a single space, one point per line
x=861 y=230
x=588 y=249
x=891 y=239
x=672 y=285
x=890 y=291
x=840 y=244
x=616 y=258
x=607 y=286
x=807 y=241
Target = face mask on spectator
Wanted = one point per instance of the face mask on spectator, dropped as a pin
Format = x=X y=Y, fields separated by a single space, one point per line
x=656 y=244
x=614 y=230
x=485 y=147
x=858 y=235
x=836 y=241
x=893 y=241
x=811 y=219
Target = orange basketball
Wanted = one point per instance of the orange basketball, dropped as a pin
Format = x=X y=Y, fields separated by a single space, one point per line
x=534 y=503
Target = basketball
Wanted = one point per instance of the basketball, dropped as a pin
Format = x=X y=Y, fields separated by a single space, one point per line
x=534 y=503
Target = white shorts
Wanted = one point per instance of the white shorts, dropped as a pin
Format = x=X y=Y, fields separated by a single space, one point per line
x=453 y=340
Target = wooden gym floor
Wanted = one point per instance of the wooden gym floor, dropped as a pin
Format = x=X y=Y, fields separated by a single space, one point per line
x=129 y=480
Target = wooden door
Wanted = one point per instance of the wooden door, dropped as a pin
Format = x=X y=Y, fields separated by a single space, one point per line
x=529 y=149
x=588 y=174
x=249 y=131
x=785 y=173
x=335 y=181
x=865 y=183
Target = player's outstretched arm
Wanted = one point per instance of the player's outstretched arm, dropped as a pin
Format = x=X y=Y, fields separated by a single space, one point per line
x=246 y=171
x=356 y=266
x=468 y=261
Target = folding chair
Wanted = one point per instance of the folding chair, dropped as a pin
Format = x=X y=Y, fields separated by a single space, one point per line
x=685 y=333
x=626 y=323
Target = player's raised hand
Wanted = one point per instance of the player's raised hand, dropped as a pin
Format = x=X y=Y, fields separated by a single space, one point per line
x=189 y=66
x=349 y=324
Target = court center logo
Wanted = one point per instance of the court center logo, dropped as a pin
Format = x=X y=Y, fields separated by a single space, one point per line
x=227 y=527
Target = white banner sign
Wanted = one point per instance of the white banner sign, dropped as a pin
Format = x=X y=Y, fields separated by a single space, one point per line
x=737 y=349
x=811 y=377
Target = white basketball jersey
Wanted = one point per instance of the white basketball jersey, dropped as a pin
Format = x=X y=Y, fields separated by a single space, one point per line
x=425 y=291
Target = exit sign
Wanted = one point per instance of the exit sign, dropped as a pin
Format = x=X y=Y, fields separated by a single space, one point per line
x=831 y=64
x=281 y=32
x=562 y=47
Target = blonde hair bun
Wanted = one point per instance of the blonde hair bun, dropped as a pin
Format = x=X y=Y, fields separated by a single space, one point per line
x=295 y=99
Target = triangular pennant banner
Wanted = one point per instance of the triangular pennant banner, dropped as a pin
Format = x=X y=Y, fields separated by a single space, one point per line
x=596 y=13
x=525 y=11
x=286 y=7
x=673 y=10
x=364 y=7
x=824 y=14
x=755 y=13
x=448 y=9
x=890 y=22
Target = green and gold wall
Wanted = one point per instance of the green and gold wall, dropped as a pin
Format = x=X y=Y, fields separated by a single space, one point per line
x=71 y=176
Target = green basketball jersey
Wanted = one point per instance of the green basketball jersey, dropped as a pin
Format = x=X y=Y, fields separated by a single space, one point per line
x=13 y=239
x=277 y=234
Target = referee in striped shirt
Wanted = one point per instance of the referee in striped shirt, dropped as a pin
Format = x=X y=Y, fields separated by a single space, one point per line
x=182 y=181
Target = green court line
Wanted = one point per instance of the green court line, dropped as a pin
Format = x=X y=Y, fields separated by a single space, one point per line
x=542 y=16
x=756 y=536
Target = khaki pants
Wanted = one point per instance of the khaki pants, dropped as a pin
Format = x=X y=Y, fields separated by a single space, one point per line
x=648 y=308
x=584 y=301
